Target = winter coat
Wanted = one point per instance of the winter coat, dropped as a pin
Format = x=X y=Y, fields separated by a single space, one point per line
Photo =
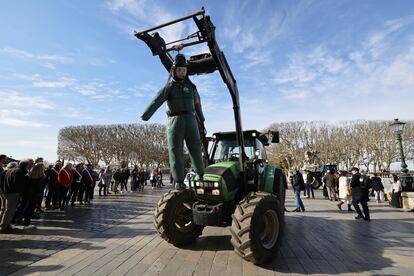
x=15 y=180
x=343 y=187
x=65 y=178
x=358 y=193
x=298 y=183
x=34 y=187
x=329 y=180
x=377 y=183
x=396 y=187
x=87 y=178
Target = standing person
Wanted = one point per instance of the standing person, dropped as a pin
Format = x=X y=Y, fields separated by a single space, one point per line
x=65 y=180
x=124 y=179
x=344 y=189
x=377 y=187
x=396 y=189
x=153 y=179
x=359 y=190
x=30 y=193
x=101 y=183
x=76 y=183
x=329 y=180
x=117 y=178
x=13 y=182
x=134 y=178
x=108 y=179
x=310 y=180
x=41 y=190
x=298 y=185
x=3 y=158
x=141 y=179
x=52 y=193
x=88 y=182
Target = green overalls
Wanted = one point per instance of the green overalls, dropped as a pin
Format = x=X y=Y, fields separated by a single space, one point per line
x=183 y=105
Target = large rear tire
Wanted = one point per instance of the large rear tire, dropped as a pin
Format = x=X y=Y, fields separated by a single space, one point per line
x=257 y=227
x=173 y=218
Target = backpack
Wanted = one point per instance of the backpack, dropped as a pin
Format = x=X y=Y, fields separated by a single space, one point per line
x=366 y=182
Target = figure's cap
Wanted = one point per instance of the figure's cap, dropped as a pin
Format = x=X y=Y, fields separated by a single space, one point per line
x=180 y=61
x=355 y=169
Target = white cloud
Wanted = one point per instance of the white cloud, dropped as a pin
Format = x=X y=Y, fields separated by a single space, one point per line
x=17 y=99
x=18 y=118
x=145 y=14
x=59 y=83
x=46 y=60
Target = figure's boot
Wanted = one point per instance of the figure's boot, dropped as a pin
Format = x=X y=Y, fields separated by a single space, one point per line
x=349 y=208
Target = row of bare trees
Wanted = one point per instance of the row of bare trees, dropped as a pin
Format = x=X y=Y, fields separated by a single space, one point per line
x=364 y=143
x=370 y=144
x=120 y=145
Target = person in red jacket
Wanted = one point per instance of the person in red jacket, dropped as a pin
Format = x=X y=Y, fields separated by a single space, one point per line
x=65 y=179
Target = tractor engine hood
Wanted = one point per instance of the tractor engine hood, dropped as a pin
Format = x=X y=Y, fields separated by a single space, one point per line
x=220 y=182
x=226 y=173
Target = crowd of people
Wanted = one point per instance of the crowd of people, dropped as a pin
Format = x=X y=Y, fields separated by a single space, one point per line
x=353 y=189
x=28 y=188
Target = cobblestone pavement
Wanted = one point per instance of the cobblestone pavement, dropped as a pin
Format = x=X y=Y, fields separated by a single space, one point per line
x=115 y=236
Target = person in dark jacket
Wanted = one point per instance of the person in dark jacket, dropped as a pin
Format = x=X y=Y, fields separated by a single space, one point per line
x=298 y=185
x=117 y=177
x=124 y=179
x=330 y=182
x=13 y=182
x=88 y=182
x=134 y=178
x=52 y=178
x=377 y=187
x=30 y=194
x=310 y=180
x=360 y=194
x=76 y=183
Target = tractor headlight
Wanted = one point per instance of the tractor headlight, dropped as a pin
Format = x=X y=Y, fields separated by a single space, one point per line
x=254 y=134
x=215 y=192
x=197 y=184
x=200 y=191
x=216 y=184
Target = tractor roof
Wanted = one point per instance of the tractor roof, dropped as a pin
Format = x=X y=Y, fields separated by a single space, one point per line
x=247 y=134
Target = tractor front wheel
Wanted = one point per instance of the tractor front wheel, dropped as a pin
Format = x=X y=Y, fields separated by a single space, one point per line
x=173 y=218
x=257 y=227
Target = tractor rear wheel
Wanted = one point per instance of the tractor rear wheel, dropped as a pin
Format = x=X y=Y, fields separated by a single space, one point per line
x=173 y=218
x=257 y=227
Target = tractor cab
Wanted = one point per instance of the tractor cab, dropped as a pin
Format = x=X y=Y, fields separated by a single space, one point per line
x=225 y=147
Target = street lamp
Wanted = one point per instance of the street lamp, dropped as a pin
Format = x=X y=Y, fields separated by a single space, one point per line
x=405 y=179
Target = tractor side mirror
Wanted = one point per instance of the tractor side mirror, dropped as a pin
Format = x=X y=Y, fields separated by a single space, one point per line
x=275 y=137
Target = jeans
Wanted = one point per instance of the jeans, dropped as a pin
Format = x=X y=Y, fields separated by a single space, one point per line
x=308 y=190
x=378 y=195
x=299 y=203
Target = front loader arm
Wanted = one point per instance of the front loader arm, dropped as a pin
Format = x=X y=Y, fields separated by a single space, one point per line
x=201 y=64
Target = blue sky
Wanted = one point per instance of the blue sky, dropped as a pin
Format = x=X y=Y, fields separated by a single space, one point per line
x=77 y=62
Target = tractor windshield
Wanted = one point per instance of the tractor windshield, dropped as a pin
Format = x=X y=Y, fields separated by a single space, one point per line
x=227 y=150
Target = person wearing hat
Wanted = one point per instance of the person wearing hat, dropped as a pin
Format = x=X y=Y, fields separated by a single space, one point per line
x=359 y=194
x=183 y=110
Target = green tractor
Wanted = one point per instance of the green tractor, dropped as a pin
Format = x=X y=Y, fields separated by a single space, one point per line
x=239 y=188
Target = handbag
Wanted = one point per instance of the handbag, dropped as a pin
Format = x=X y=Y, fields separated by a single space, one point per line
x=348 y=191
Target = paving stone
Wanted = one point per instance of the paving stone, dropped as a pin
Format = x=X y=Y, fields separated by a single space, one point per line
x=115 y=236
